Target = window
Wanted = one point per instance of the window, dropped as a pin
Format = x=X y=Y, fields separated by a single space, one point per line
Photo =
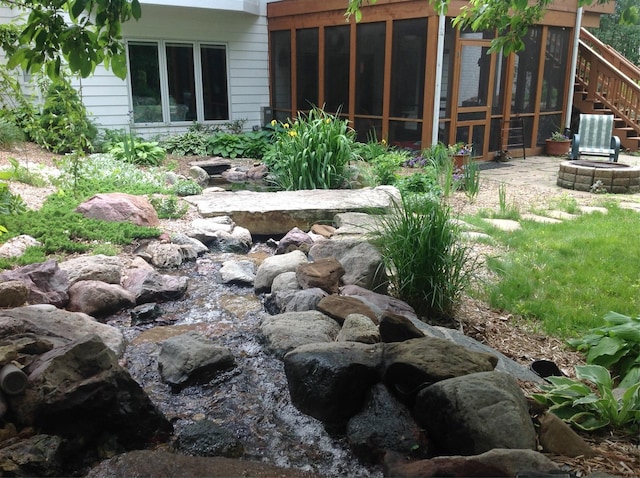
x=192 y=86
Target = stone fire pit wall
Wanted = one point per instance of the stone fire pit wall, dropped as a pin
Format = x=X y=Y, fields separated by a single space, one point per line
x=616 y=178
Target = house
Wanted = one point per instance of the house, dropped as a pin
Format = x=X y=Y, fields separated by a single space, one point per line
x=225 y=60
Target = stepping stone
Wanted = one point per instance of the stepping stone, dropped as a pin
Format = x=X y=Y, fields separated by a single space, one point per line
x=540 y=219
x=475 y=236
x=630 y=205
x=561 y=215
x=592 y=209
x=504 y=224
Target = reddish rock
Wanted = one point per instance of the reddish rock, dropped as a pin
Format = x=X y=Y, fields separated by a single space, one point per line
x=120 y=207
x=324 y=273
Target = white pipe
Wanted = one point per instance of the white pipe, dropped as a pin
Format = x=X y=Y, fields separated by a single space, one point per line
x=438 y=77
x=574 y=64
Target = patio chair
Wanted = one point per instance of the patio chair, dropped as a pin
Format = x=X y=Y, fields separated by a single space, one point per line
x=595 y=138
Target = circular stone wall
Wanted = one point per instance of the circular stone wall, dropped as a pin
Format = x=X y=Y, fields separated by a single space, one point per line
x=615 y=178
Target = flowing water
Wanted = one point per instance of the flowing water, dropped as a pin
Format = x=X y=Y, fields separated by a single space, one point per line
x=251 y=401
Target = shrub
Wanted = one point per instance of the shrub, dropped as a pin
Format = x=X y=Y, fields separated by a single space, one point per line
x=312 y=153
x=385 y=166
x=64 y=124
x=168 y=207
x=146 y=153
x=420 y=245
x=10 y=134
x=191 y=143
x=186 y=187
x=423 y=182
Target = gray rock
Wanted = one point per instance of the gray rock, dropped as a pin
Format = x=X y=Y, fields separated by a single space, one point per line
x=285 y=332
x=190 y=359
x=58 y=326
x=361 y=261
x=295 y=239
x=415 y=363
x=13 y=293
x=359 y=328
x=99 y=267
x=168 y=254
x=147 y=285
x=120 y=207
x=184 y=240
x=383 y=302
x=384 y=424
x=207 y=230
x=330 y=381
x=294 y=300
x=199 y=175
x=238 y=272
x=145 y=313
x=206 y=438
x=16 y=246
x=285 y=281
x=355 y=223
x=397 y=328
x=47 y=283
x=38 y=455
x=98 y=299
x=273 y=266
x=485 y=410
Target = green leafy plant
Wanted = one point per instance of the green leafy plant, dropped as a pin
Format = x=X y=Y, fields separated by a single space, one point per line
x=131 y=150
x=615 y=345
x=10 y=204
x=313 y=152
x=593 y=405
x=64 y=123
x=186 y=187
x=191 y=143
x=467 y=179
x=420 y=246
x=227 y=145
x=422 y=182
x=10 y=134
x=24 y=175
x=168 y=207
x=385 y=166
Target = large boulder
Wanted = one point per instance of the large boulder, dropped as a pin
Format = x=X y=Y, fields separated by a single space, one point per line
x=190 y=359
x=293 y=300
x=273 y=266
x=168 y=254
x=148 y=285
x=361 y=261
x=416 y=363
x=359 y=328
x=330 y=381
x=99 y=299
x=484 y=410
x=338 y=307
x=120 y=207
x=285 y=332
x=93 y=267
x=47 y=283
x=238 y=272
x=80 y=392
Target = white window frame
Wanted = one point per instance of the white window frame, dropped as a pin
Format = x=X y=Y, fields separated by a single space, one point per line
x=164 y=81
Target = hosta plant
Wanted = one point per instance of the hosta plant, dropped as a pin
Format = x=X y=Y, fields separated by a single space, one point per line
x=615 y=345
x=595 y=404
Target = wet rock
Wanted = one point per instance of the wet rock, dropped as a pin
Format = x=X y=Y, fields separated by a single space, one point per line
x=338 y=307
x=56 y=326
x=168 y=254
x=184 y=240
x=238 y=272
x=384 y=424
x=397 y=328
x=285 y=332
x=238 y=241
x=285 y=281
x=293 y=300
x=47 y=283
x=39 y=455
x=558 y=438
x=330 y=381
x=295 y=239
x=190 y=359
x=273 y=266
x=206 y=438
x=359 y=328
x=99 y=267
x=415 y=363
x=13 y=293
x=145 y=313
x=16 y=246
x=80 y=392
x=324 y=273
x=98 y=299
x=494 y=463
x=120 y=207
x=361 y=261
x=147 y=285
x=221 y=233
x=485 y=410
x=160 y=464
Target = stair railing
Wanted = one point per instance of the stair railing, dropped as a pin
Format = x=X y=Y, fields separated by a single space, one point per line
x=609 y=78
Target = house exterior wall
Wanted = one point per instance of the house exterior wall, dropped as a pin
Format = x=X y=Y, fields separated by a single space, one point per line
x=244 y=35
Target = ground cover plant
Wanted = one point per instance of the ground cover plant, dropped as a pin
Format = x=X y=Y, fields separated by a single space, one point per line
x=565 y=277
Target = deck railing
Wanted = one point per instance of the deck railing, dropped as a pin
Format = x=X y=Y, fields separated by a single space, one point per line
x=609 y=78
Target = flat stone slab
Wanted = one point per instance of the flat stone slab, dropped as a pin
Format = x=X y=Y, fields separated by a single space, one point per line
x=276 y=213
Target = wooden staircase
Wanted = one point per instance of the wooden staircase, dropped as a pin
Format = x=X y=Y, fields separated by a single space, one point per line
x=607 y=83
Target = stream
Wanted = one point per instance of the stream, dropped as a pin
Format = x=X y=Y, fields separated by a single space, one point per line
x=252 y=401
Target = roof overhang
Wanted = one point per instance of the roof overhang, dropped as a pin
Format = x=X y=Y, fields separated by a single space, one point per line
x=242 y=6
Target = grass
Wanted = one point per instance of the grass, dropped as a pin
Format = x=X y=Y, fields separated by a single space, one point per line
x=565 y=277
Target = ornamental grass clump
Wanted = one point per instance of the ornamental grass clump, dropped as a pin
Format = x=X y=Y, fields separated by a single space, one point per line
x=313 y=152
x=429 y=266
